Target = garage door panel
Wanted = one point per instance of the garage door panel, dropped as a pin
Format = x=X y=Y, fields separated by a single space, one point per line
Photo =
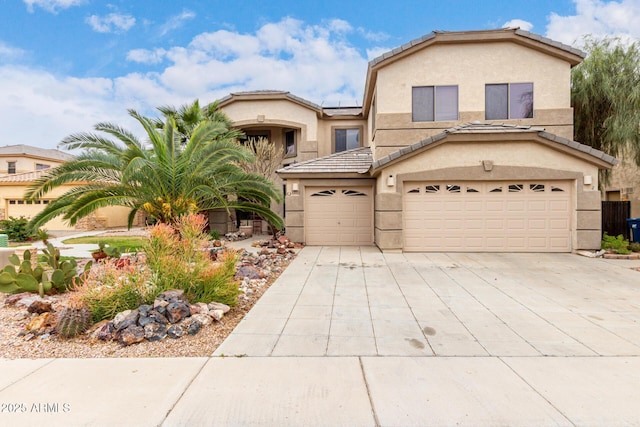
x=493 y=216
x=494 y=206
x=339 y=216
x=494 y=224
x=537 y=224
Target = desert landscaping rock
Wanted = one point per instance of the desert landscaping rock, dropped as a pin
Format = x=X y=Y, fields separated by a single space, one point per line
x=102 y=340
x=125 y=319
x=177 y=311
x=174 y=332
x=219 y=306
x=155 y=331
x=40 y=306
x=194 y=327
x=131 y=335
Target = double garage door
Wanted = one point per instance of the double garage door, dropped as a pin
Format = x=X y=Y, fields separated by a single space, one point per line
x=339 y=215
x=487 y=216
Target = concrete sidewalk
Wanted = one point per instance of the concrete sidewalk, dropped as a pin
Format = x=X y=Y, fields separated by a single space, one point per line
x=349 y=336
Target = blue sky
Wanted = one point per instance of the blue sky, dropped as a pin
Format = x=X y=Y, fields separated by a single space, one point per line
x=68 y=64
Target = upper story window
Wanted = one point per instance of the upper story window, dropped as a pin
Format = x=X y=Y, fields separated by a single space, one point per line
x=434 y=103
x=346 y=139
x=41 y=166
x=11 y=167
x=290 y=143
x=508 y=101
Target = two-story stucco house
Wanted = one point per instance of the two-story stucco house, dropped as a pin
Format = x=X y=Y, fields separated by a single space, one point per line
x=21 y=165
x=463 y=143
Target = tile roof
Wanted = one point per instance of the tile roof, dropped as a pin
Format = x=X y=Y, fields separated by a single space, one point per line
x=22 y=177
x=342 y=111
x=279 y=94
x=28 y=150
x=479 y=128
x=517 y=31
x=271 y=94
x=357 y=160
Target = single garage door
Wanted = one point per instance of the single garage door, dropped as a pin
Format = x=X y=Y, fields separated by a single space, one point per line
x=487 y=216
x=339 y=215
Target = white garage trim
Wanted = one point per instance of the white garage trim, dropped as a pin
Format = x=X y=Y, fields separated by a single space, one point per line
x=516 y=216
x=339 y=215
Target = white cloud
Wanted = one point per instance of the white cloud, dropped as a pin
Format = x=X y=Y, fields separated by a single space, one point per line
x=8 y=52
x=145 y=56
x=111 y=23
x=372 y=35
x=515 y=23
x=51 y=5
x=598 y=18
x=315 y=62
x=176 y=22
x=40 y=109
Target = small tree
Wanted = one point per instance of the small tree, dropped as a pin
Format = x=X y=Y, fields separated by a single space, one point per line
x=267 y=157
x=267 y=160
x=605 y=93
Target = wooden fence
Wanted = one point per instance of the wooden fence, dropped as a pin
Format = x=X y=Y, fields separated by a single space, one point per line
x=614 y=218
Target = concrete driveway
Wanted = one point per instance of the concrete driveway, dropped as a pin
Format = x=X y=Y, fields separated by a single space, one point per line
x=342 y=301
x=353 y=337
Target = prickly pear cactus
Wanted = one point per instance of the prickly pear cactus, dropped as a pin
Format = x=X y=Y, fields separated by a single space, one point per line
x=73 y=319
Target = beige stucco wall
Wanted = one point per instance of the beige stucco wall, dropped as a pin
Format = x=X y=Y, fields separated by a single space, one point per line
x=24 y=163
x=470 y=67
x=512 y=160
x=282 y=114
x=109 y=217
x=325 y=133
x=624 y=184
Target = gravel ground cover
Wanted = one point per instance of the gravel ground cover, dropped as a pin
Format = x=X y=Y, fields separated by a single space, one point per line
x=14 y=345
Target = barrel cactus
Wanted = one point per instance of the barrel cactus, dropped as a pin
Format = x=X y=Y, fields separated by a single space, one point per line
x=74 y=318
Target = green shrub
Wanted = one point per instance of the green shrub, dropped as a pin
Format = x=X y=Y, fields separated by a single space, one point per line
x=634 y=247
x=108 y=290
x=617 y=244
x=16 y=228
x=177 y=260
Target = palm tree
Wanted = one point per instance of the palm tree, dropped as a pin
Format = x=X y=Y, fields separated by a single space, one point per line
x=188 y=116
x=176 y=172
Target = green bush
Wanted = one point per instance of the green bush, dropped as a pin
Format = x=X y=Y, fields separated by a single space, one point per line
x=177 y=260
x=109 y=290
x=617 y=244
x=634 y=247
x=16 y=228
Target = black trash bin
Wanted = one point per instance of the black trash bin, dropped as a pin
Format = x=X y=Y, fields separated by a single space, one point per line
x=634 y=225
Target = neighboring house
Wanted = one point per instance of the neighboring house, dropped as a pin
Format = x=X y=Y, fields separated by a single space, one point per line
x=463 y=143
x=624 y=185
x=20 y=165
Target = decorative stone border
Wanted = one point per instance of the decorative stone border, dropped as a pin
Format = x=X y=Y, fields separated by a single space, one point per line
x=621 y=256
